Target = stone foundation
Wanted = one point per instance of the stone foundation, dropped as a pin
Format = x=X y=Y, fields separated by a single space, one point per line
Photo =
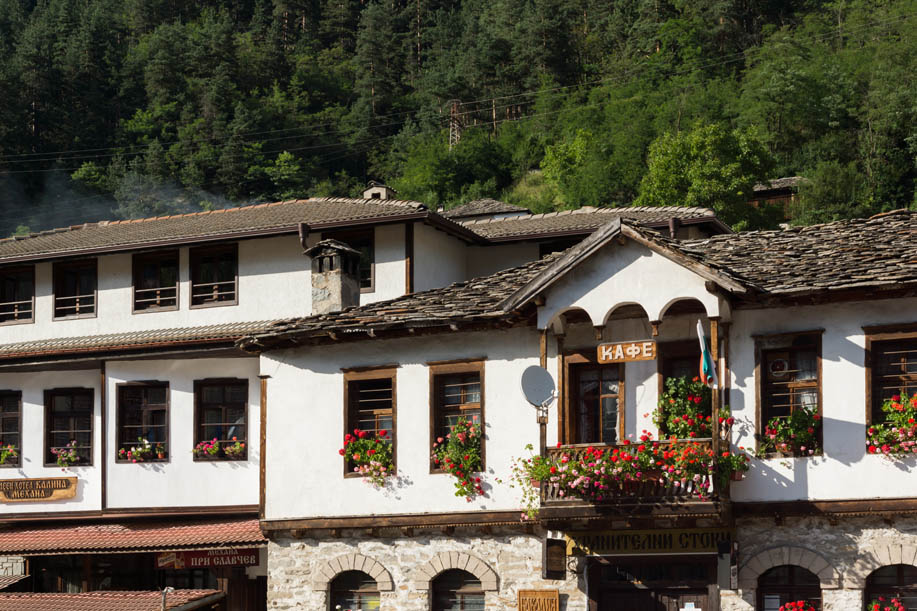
x=12 y=565
x=403 y=567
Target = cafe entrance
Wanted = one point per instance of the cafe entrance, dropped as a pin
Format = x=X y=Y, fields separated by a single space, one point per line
x=651 y=583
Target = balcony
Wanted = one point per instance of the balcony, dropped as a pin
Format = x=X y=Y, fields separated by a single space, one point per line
x=642 y=487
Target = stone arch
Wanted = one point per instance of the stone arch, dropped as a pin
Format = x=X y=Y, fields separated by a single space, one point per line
x=444 y=561
x=788 y=554
x=352 y=562
x=876 y=558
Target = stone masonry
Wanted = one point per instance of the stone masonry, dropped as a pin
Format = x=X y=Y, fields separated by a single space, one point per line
x=842 y=552
x=505 y=561
x=11 y=566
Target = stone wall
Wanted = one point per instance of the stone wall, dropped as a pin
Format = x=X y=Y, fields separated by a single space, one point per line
x=505 y=561
x=12 y=565
x=842 y=551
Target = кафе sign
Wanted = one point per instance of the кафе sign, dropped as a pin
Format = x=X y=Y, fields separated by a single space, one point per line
x=640 y=542
x=37 y=489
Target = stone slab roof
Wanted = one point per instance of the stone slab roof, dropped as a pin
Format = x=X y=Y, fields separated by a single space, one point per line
x=132 y=536
x=787 y=182
x=113 y=342
x=262 y=219
x=8 y=580
x=124 y=600
x=582 y=221
x=878 y=252
x=482 y=207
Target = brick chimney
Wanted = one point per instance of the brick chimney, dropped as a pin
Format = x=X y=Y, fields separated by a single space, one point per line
x=335 y=276
x=377 y=190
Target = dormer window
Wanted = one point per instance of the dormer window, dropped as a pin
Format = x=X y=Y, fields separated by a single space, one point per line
x=156 y=281
x=17 y=294
x=214 y=276
x=75 y=286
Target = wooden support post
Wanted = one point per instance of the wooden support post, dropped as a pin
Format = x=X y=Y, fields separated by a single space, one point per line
x=715 y=355
x=543 y=420
x=262 y=448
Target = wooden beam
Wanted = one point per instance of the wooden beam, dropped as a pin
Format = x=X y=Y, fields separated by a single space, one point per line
x=808 y=508
x=469 y=518
x=262 y=450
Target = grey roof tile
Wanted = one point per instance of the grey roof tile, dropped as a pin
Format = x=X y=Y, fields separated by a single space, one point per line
x=482 y=207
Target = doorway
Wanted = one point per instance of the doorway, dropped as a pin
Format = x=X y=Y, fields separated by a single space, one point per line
x=651 y=584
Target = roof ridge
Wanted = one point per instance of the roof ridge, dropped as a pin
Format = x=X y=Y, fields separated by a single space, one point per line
x=620 y=210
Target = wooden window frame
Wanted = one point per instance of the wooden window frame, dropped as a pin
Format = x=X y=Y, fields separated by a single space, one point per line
x=883 y=333
x=464 y=590
x=168 y=410
x=18 y=395
x=49 y=397
x=447 y=368
x=777 y=341
x=30 y=269
x=332 y=592
x=198 y=425
x=361 y=234
x=194 y=256
x=138 y=261
x=372 y=373
x=566 y=423
x=62 y=266
x=794 y=590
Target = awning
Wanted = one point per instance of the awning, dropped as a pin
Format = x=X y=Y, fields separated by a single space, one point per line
x=178 y=600
x=131 y=536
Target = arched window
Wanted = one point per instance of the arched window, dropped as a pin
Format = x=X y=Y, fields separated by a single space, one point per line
x=895 y=581
x=457 y=590
x=788 y=583
x=352 y=590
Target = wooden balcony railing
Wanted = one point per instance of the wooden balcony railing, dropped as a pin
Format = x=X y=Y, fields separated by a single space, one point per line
x=652 y=487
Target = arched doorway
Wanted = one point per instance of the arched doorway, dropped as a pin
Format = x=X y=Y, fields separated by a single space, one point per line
x=894 y=581
x=788 y=583
x=352 y=590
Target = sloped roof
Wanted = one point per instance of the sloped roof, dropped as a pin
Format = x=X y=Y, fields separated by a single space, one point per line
x=132 y=340
x=8 y=580
x=787 y=182
x=482 y=207
x=866 y=253
x=124 y=600
x=245 y=221
x=132 y=536
x=583 y=221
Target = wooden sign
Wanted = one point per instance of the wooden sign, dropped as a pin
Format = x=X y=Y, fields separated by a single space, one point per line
x=554 y=559
x=641 y=542
x=38 y=489
x=202 y=559
x=623 y=352
x=539 y=600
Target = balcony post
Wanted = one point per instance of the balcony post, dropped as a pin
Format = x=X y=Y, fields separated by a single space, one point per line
x=715 y=354
x=543 y=420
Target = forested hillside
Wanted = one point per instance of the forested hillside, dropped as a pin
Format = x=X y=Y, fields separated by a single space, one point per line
x=125 y=108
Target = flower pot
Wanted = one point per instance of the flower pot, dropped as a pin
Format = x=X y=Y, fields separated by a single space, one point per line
x=536 y=483
x=737 y=476
x=161 y=456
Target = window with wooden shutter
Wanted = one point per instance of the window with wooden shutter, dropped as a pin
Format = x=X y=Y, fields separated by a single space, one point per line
x=214 y=275
x=11 y=427
x=370 y=403
x=790 y=374
x=143 y=419
x=68 y=423
x=221 y=414
x=17 y=294
x=891 y=366
x=156 y=281
x=75 y=285
x=456 y=392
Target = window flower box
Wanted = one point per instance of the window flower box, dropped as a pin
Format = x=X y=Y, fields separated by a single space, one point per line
x=459 y=454
x=9 y=455
x=369 y=455
x=897 y=436
x=794 y=435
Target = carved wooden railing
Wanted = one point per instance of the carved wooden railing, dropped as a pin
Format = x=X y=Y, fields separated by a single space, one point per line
x=651 y=488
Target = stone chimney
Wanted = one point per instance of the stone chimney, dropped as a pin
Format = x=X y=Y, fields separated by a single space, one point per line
x=377 y=190
x=335 y=276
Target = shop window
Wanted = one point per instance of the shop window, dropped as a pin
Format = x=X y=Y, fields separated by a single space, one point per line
x=789 y=375
x=364 y=242
x=17 y=294
x=75 y=285
x=156 y=281
x=892 y=370
x=895 y=581
x=596 y=403
x=10 y=428
x=457 y=393
x=457 y=590
x=214 y=275
x=143 y=422
x=68 y=424
x=221 y=414
x=352 y=590
x=788 y=583
x=370 y=403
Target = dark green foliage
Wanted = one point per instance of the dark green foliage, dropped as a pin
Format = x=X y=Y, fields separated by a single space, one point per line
x=137 y=107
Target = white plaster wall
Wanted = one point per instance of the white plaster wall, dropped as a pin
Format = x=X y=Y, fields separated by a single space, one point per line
x=274 y=283
x=623 y=274
x=182 y=482
x=439 y=258
x=306 y=429
x=32 y=385
x=390 y=267
x=845 y=471
x=486 y=260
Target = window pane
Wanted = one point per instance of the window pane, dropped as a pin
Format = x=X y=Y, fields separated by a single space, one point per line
x=609 y=419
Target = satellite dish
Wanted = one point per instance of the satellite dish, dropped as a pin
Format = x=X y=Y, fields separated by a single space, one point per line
x=538 y=386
